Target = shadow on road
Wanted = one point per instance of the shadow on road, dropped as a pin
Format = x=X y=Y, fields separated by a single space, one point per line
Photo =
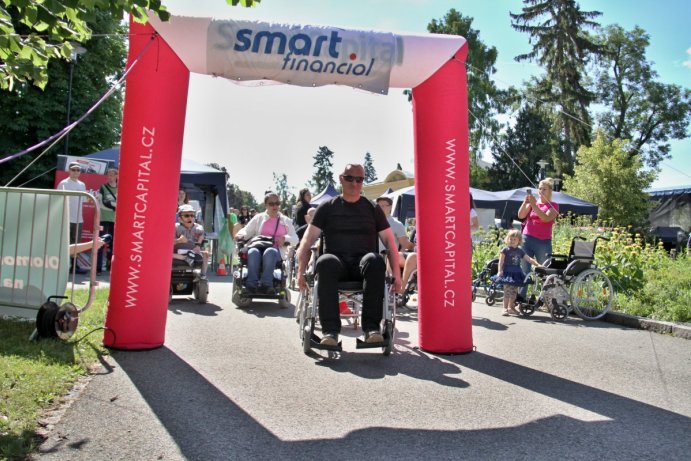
x=207 y=425
x=178 y=306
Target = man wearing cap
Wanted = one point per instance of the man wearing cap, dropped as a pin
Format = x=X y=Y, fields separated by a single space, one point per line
x=189 y=236
x=73 y=183
x=351 y=227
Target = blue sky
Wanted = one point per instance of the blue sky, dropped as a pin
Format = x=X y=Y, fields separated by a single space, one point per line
x=255 y=132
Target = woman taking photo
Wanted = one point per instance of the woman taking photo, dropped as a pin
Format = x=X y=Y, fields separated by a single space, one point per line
x=539 y=214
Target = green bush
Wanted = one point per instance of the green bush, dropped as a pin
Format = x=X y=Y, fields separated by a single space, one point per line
x=491 y=242
x=666 y=294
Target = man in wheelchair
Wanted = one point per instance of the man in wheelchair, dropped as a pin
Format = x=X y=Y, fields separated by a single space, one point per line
x=350 y=226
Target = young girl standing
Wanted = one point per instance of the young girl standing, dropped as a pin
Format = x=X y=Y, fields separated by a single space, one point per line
x=510 y=274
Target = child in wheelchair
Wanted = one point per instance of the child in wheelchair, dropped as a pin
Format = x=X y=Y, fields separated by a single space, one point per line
x=509 y=272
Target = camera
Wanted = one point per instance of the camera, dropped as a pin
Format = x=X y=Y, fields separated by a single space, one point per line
x=529 y=192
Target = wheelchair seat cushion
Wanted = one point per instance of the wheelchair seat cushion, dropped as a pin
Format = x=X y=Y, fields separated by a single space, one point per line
x=549 y=271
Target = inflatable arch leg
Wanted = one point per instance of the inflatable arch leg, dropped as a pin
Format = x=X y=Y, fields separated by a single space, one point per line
x=150 y=156
x=442 y=209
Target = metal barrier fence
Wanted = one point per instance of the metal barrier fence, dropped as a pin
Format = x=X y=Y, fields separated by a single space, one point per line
x=35 y=250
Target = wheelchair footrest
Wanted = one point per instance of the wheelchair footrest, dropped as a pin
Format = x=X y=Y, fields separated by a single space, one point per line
x=315 y=343
x=360 y=344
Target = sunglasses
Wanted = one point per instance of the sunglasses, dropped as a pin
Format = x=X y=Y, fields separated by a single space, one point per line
x=75 y=169
x=273 y=203
x=350 y=178
x=187 y=215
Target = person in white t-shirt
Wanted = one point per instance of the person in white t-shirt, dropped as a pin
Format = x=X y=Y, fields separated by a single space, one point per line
x=404 y=243
x=73 y=183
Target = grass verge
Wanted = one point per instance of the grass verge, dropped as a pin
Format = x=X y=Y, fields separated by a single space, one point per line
x=34 y=376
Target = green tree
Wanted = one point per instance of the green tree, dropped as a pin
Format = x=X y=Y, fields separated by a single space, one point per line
x=647 y=112
x=614 y=179
x=527 y=142
x=238 y=197
x=484 y=99
x=282 y=188
x=562 y=47
x=323 y=170
x=370 y=172
x=29 y=115
x=36 y=31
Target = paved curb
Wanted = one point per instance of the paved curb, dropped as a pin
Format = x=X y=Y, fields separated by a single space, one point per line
x=680 y=330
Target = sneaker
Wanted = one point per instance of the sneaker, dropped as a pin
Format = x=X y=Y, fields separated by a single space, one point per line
x=374 y=336
x=202 y=276
x=251 y=290
x=505 y=313
x=329 y=339
x=512 y=311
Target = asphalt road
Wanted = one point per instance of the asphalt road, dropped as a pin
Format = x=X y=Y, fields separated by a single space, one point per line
x=235 y=384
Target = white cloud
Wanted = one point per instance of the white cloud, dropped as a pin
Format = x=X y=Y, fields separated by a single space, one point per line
x=687 y=63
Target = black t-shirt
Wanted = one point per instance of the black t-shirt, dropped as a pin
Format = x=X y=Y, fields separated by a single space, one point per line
x=300 y=214
x=350 y=230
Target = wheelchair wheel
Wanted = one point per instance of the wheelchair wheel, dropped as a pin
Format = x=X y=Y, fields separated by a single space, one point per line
x=491 y=292
x=307 y=336
x=240 y=301
x=526 y=309
x=591 y=294
x=558 y=311
x=290 y=275
x=388 y=336
x=284 y=302
x=201 y=291
x=300 y=312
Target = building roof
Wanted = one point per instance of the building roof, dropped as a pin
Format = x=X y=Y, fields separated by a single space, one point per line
x=670 y=190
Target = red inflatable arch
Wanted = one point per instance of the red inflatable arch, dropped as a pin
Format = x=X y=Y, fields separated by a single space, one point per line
x=155 y=102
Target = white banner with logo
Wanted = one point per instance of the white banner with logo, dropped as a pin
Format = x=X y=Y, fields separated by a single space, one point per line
x=300 y=55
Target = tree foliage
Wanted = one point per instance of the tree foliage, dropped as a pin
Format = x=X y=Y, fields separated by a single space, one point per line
x=638 y=107
x=238 y=197
x=29 y=115
x=614 y=179
x=370 y=172
x=323 y=169
x=562 y=47
x=33 y=32
x=282 y=188
x=523 y=145
x=484 y=99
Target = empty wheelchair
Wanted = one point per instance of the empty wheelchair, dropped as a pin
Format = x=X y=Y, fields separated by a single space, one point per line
x=242 y=297
x=350 y=293
x=570 y=283
x=186 y=278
